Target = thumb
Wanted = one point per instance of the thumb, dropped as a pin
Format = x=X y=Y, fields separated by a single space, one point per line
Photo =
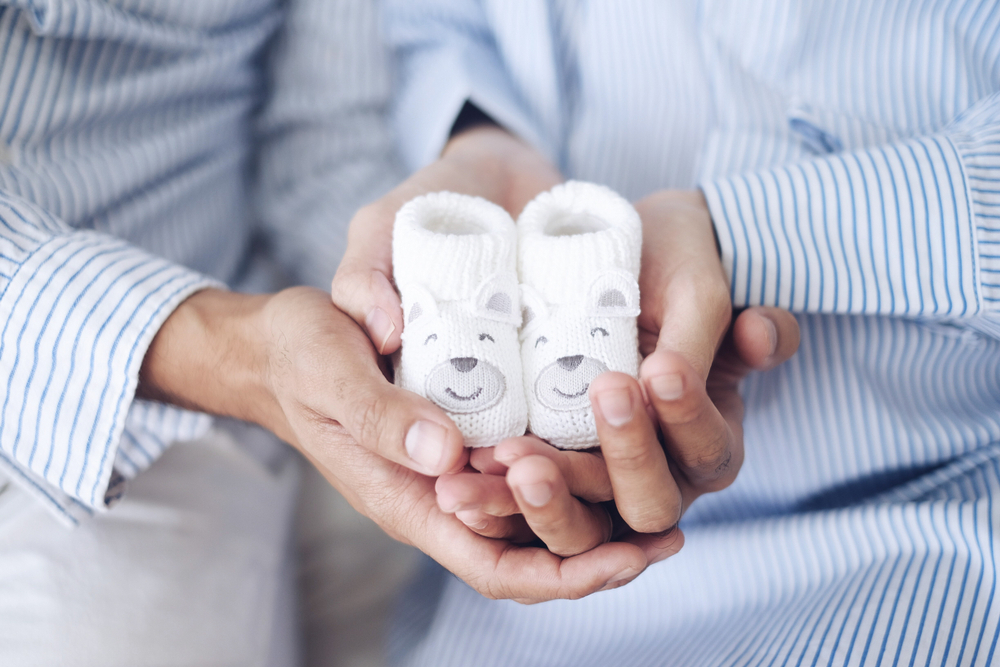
x=400 y=426
x=362 y=286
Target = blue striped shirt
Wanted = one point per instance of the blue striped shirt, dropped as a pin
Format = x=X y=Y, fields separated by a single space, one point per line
x=144 y=146
x=849 y=152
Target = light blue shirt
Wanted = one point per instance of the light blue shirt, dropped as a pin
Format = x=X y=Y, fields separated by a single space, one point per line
x=849 y=151
x=146 y=150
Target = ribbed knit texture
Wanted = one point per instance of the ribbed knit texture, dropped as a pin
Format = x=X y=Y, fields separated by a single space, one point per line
x=579 y=247
x=453 y=261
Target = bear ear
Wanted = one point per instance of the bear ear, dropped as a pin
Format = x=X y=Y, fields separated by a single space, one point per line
x=613 y=294
x=418 y=306
x=533 y=309
x=497 y=299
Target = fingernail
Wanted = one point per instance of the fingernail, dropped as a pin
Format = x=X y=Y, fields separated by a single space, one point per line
x=622 y=578
x=667 y=387
x=380 y=327
x=472 y=518
x=772 y=336
x=425 y=445
x=536 y=495
x=616 y=406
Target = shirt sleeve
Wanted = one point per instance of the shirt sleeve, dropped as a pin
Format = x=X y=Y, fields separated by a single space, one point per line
x=78 y=310
x=907 y=229
x=445 y=56
x=325 y=145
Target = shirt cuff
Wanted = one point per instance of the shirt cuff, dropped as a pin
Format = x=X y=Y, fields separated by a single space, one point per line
x=150 y=428
x=888 y=230
x=980 y=153
x=79 y=314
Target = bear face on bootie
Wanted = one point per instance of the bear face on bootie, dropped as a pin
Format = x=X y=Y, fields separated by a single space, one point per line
x=579 y=247
x=463 y=356
x=565 y=346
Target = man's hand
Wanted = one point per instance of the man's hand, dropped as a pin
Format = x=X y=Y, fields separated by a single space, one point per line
x=688 y=394
x=297 y=365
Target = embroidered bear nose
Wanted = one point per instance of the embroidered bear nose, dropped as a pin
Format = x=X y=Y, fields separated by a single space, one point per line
x=464 y=364
x=570 y=363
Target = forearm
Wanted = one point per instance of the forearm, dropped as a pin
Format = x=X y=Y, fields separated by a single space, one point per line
x=212 y=355
x=504 y=169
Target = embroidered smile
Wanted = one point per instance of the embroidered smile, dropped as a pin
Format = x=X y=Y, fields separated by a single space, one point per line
x=471 y=397
x=576 y=395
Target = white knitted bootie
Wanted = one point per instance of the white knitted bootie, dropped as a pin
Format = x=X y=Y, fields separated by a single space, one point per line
x=579 y=249
x=454 y=263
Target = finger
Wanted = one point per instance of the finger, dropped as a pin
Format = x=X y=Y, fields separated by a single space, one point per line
x=685 y=301
x=658 y=546
x=513 y=528
x=763 y=337
x=366 y=295
x=482 y=459
x=531 y=575
x=698 y=438
x=387 y=420
x=404 y=428
x=644 y=487
x=585 y=473
x=499 y=570
x=466 y=491
x=403 y=504
x=566 y=525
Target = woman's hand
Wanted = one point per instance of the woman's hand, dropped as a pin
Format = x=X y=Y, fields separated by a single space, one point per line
x=667 y=438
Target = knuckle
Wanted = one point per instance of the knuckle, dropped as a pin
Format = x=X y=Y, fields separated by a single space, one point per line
x=654 y=520
x=711 y=461
x=712 y=296
x=492 y=589
x=554 y=526
x=723 y=475
x=685 y=411
x=345 y=286
x=370 y=422
x=630 y=457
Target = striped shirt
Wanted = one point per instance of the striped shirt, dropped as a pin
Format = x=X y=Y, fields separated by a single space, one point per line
x=849 y=152
x=133 y=135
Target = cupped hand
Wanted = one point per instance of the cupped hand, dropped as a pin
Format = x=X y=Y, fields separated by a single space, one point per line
x=667 y=438
x=337 y=408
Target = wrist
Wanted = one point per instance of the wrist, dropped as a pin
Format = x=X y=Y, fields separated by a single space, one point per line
x=510 y=171
x=212 y=355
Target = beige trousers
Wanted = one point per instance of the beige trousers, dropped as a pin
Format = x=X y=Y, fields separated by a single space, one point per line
x=200 y=564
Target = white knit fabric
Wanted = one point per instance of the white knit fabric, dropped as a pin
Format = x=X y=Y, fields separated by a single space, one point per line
x=579 y=249
x=454 y=264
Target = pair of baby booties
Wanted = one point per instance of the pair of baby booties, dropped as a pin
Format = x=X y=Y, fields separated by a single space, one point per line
x=506 y=325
